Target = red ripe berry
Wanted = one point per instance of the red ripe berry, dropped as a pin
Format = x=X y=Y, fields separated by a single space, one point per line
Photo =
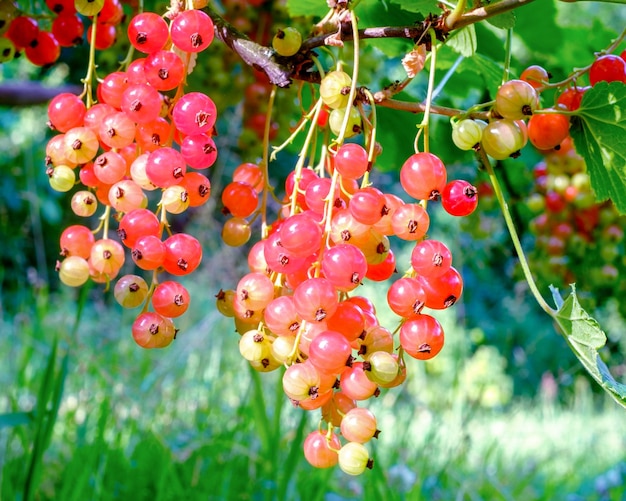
x=345 y=266
x=68 y=29
x=306 y=176
x=148 y=252
x=329 y=352
x=251 y=174
x=136 y=224
x=423 y=176
x=351 y=161
x=572 y=97
x=422 y=337
x=192 y=31
x=200 y=151
x=321 y=452
x=152 y=135
x=315 y=299
x=442 y=291
x=76 y=240
x=111 y=12
x=183 y=254
x=106 y=35
x=164 y=70
x=431 y=258
x=141 y=103
x=406 y=297
x=66 y=111
x=547 y=130
x=23 y=31
x=44 y=50
x=111 y=89
x=383 y=270
x=170 y=299
x=608 y=68
x=239 y=199
x=61 y=6
x=148 y=32
x=535 y=75
x=194 y=113
x=300 y=235
x=459 y=198
x=165 y=167
x=198 y=188
x=367 y=205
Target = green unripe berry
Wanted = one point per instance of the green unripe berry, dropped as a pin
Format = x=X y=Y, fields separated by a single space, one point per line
x=88 y=7
x=335 y=88
x=61 y=177
x=287 y=42
x=335 y=120
x=354 y=458
x=130 y=291
x=7 y=50
x=467 y=133
x=74 y=271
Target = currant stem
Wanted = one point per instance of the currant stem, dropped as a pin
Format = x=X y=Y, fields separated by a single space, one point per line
x=302 y=156
x=581 y=71
x=456 y=13
x=265 y=161
x=507 y=55
x=513 y=233
x=91 y=66
x=429 y=96
x=355 y=75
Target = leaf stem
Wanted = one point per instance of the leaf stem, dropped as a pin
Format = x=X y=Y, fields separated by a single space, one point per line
x=514 y=236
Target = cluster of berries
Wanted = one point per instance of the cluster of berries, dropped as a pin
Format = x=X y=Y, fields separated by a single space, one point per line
x=138 y=140
x=298 y=307
x=42 y=37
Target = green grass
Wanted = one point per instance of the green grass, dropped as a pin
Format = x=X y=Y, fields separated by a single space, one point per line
x=193 y=422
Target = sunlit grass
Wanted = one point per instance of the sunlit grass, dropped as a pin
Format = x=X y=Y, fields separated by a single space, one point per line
x=187 y=421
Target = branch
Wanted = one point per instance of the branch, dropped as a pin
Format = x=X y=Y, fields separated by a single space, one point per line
x=381 y=100
x=487 y=11
x=279 y=70
x=26 y=93
x=282 y=70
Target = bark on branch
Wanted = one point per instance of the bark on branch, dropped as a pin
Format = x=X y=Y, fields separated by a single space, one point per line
x=283 y=70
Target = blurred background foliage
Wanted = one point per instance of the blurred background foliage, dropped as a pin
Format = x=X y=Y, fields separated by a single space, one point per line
x=505 y=412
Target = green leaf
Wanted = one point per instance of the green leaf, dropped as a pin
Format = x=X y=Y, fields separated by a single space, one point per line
x=464 y=41
x=585 y=338
x=307 y=8
x=599 y=133
x=397 y=132
x=537 y=26
x=503 y=21
x=372 y=13
x=490 y=71
x=421 y=6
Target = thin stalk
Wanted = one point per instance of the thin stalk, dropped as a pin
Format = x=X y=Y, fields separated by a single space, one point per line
x=265 y=160
x=91 y=65
x=372 y=141
x=454 y=16
x=514 y=236
x=301 y=158
x=429 y=96
x=507 y=55
x=355 y=76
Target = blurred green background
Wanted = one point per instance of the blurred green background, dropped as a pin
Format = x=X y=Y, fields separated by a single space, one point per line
x=504 y=412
